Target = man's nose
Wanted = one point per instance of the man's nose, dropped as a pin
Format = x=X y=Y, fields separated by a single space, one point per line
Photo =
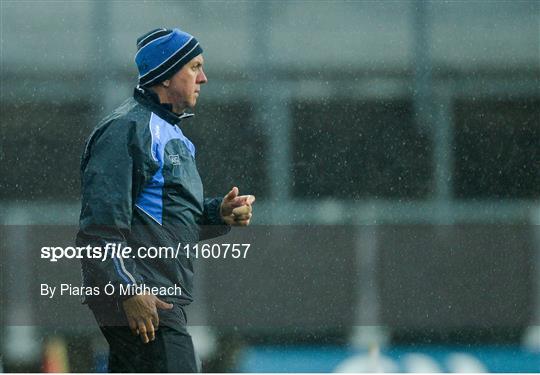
x=201 y=77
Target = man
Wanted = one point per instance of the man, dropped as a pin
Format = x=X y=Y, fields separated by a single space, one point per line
x=141 y=188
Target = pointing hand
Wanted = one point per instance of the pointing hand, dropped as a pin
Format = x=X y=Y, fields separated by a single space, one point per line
x=237 y=209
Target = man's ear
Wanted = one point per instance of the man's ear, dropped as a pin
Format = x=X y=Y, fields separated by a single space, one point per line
x=166 y=83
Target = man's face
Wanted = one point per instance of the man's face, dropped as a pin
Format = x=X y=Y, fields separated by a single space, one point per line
x=185 y=85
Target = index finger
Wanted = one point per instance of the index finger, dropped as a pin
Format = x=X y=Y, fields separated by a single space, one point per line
x=155 y=320
x=247 y=199
x=150 y=330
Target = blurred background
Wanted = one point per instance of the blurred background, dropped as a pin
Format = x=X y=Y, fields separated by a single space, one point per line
x=393 y=146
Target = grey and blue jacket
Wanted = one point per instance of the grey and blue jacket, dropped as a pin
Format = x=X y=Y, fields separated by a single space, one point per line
x=141 y=188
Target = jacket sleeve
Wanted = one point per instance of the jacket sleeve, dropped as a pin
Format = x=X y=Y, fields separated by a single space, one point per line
x=212 y=224
x=107 y=191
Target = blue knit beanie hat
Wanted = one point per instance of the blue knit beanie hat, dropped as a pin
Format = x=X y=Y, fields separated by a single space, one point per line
x=163 y=52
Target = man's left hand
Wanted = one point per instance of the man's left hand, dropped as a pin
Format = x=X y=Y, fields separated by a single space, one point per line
x=236 y=209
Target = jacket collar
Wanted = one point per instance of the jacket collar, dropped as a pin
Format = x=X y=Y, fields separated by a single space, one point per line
x=150 y=100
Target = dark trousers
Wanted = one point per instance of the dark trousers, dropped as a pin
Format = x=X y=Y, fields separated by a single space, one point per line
x=171 y=351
